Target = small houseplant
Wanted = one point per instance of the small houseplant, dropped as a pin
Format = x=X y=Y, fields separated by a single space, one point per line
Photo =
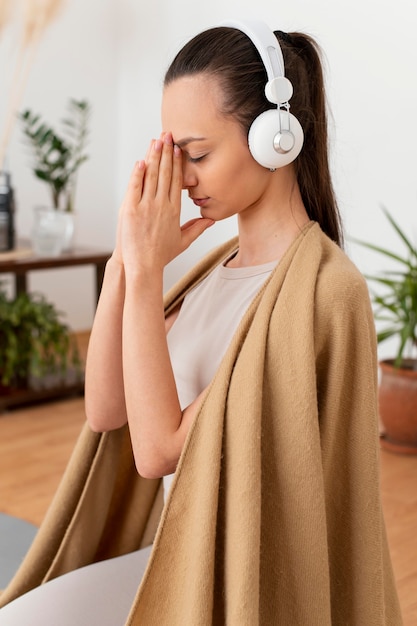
x=34 y=341
x=395 y=306
x=57 y=157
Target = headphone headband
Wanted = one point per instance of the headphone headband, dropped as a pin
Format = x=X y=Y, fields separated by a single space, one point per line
x=266 y=43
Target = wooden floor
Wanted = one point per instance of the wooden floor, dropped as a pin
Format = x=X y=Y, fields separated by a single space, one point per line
x=35 y=444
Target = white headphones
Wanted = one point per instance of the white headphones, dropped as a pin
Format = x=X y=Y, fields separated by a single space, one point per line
x=275 y=137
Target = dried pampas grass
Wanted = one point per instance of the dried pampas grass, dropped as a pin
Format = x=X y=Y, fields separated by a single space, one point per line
x=36 y=16
x=5 y=12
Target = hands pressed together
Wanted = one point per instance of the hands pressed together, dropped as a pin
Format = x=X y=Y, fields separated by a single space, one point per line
x=129 y=375
x=149 y=233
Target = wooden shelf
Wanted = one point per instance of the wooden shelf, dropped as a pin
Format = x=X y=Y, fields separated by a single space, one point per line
x=20 y=262
x=42 y=390
x=23 y=260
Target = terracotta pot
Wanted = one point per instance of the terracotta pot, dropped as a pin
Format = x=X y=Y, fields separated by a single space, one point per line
x=398 y=406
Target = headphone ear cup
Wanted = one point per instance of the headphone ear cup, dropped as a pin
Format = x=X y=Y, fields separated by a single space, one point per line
x=264 y=132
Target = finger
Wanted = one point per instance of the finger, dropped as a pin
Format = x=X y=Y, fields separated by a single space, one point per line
x=152 y=170
x=148 y=152
x=165 y=166
x=135 y=185
x=193 y=229
x=176 y=178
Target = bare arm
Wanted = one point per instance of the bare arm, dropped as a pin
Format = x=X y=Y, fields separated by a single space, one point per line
x=129 y=375
x=158 y=426
x=104 y=386
x=104 y=394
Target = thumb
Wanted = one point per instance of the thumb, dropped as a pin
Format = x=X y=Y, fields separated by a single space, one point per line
x=191 y=230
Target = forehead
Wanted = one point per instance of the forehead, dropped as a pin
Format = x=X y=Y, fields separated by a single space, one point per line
x=191 y=106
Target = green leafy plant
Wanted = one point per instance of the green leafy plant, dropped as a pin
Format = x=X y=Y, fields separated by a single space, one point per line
x=34 y=341
x=57 y=158
x=396 y=305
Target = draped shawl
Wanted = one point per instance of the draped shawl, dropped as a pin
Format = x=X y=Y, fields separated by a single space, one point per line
x=274 y=516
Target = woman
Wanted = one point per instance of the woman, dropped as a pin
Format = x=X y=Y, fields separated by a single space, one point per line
x=250 y=389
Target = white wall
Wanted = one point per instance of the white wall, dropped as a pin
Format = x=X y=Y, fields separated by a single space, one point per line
x=77 y=58
x=115 y=53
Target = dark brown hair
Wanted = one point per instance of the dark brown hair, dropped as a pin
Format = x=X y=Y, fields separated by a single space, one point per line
x=229 y=55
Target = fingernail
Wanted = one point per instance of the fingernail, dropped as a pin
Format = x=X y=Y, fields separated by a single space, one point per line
x=168 y=138
x=177 y=150
x=157 y=145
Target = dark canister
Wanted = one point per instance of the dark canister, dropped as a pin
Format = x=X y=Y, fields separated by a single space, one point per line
x=7 y=210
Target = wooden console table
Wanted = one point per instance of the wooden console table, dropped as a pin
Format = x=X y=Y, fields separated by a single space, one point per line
x=20 y=262
x=23 y=260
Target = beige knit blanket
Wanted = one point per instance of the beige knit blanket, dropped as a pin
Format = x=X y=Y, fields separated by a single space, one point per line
x=274 y=516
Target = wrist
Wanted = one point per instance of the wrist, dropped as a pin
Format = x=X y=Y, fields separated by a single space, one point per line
x=140 y=278
x=115 y=259
x=114 y=270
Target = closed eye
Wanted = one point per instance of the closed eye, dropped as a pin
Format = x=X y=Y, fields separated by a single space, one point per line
x=196 y=159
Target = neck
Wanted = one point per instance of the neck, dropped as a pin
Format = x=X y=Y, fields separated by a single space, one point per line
x=267 y=230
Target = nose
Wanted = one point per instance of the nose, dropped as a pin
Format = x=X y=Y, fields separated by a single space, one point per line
x=189 y=178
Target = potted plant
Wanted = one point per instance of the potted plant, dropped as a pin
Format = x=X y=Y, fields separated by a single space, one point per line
x=34 y=341
x=58 y=157
x=56 y=161
x=395 y=306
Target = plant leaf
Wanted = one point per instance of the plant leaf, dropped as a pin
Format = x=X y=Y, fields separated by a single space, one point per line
x=400 y=233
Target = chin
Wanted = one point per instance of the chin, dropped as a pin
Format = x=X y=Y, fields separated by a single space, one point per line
x=217 y=216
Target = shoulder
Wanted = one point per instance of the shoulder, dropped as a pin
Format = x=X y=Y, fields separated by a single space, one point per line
x=344 y=328
x=342 y=300
x=339 y=281
x=343 y=311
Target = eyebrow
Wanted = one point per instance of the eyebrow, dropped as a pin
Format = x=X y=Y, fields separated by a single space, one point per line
x=187 y=140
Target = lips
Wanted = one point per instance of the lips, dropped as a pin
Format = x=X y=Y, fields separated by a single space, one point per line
x=200 y=201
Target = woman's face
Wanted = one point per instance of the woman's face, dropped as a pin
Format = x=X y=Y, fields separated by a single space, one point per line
x=219 y=172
